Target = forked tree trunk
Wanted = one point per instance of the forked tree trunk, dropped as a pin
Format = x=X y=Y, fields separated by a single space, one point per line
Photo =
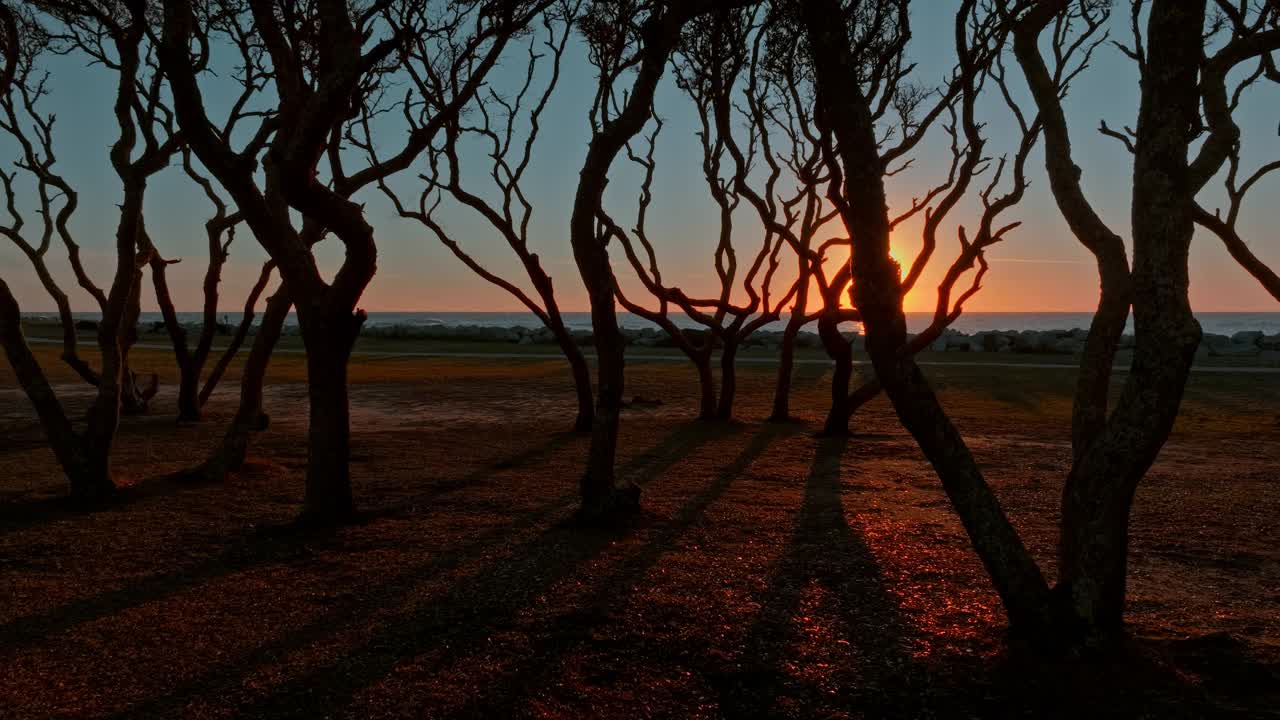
x=603 y=493
x=1099 y=493
x=273 y=319
x=878 y=295
x=90 y=480
x=728 y=380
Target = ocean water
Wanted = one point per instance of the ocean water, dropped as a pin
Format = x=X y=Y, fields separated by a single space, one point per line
x=1222 y=323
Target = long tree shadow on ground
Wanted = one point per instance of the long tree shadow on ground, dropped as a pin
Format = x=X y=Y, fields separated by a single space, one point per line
x=826 y=551
x=541 y=661
x=464 y=615
x=1209 y=676
x=255 y=547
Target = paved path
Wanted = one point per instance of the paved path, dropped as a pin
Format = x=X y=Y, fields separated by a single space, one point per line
x=742 y=359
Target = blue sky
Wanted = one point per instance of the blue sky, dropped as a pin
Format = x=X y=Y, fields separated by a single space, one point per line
x=1040 y=267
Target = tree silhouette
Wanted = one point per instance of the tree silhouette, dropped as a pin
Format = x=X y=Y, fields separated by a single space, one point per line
x=57 y=200
x=115 y=36
x=1179 y=81
x=220 y=232
x=1110 y=457
x=842 y=41
x=711 y=55
x=510 y=154
x=323 y=74
x=624 y=36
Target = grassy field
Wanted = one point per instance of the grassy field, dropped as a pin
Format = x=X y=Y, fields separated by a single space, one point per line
x=772 y=573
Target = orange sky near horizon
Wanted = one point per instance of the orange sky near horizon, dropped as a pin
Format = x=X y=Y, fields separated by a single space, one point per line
x=1016 y=282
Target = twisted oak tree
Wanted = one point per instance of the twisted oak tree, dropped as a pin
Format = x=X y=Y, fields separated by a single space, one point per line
x=624 y=36
x=220 y=232
x=708 y=61
x=57 y=201
x=327 y=58
x=1110 y=458
x=1184 y=92
x=116 y=35
x=494 y=126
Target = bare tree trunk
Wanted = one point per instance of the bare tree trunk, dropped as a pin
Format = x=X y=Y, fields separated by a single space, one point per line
x=1093 y=384
x=135 y=397
x=841 y=352
x=786 y=367
x=1099 y=493
x=728 y=380
x=603 y=494
x=250 y=417
x=89 y=481
x=188 y=369
x=1089 y=409
x=706 y=383
x=118 y=313
x=242 y=331
x=188 y=393
x=329 y=343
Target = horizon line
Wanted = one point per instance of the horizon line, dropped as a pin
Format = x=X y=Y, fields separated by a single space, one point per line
x=624 y=312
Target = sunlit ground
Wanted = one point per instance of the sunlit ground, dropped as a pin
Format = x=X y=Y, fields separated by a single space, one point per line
x=772 y=573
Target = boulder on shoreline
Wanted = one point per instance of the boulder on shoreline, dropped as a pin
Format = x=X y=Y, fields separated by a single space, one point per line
x=1065 y=342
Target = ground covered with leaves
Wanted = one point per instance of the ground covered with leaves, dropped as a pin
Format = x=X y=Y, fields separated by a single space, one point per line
x=772 y=573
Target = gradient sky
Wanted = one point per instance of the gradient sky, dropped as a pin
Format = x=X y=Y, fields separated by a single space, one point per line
x=1040 y=267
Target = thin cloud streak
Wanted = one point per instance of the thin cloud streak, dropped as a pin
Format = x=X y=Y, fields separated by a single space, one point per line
x=1039 y=261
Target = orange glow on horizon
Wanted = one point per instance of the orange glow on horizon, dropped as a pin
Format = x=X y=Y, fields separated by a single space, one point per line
x=913 y=297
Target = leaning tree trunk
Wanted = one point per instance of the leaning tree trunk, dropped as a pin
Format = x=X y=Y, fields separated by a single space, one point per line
x=89 y=481
x=329 y=342
x=728 y=380
x=70 y=337
x=878 y=294
x=1099 y=493
x=1093 y=383
x=250 y=418
x=274 y=319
